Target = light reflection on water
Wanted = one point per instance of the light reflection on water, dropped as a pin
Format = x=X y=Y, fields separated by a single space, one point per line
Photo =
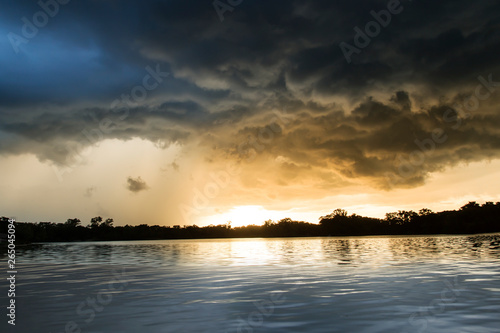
x=350 y=284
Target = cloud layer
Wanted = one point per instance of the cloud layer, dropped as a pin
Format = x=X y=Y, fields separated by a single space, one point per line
x=410 y=103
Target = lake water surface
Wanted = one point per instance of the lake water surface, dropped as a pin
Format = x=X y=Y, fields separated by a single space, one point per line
x=349 y=284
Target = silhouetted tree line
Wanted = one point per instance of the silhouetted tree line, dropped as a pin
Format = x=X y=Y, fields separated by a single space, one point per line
x=469 y=219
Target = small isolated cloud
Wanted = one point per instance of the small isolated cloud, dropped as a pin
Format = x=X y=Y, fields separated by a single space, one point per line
x=175 y=166
x=136 y=184
x=171 y=166
x=89 y=192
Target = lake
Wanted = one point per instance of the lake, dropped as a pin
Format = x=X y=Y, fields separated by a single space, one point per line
x=324 y=284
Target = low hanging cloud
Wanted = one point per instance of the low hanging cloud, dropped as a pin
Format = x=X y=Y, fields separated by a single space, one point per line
x=386 y=144
x=136 y=185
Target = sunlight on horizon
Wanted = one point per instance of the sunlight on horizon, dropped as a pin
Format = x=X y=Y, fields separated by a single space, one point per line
x=243 y=215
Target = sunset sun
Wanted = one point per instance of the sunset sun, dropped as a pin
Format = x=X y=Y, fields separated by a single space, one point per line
x=241 y=216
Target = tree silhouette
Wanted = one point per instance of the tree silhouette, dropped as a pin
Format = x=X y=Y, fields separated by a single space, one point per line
x=425 y=212
x=470 y=218
x=73 y=223
x=339 y=212
x=108 y=223
x=95 y=222
x=470 y=205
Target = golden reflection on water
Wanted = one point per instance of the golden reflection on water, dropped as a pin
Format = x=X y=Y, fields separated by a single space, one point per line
x=374 y=252
x=369 y=284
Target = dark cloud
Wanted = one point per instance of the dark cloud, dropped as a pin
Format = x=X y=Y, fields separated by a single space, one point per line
x=136 y=185
x=380 y=142
x=357 y=120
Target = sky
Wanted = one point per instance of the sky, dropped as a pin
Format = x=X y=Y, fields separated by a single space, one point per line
x=204 y=112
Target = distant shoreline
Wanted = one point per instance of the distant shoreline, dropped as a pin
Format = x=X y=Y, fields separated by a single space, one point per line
x=471 y=218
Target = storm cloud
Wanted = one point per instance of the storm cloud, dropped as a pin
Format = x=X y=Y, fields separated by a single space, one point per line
x=422 y=96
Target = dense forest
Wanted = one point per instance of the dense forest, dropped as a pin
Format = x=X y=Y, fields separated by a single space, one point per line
x=470 y=218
